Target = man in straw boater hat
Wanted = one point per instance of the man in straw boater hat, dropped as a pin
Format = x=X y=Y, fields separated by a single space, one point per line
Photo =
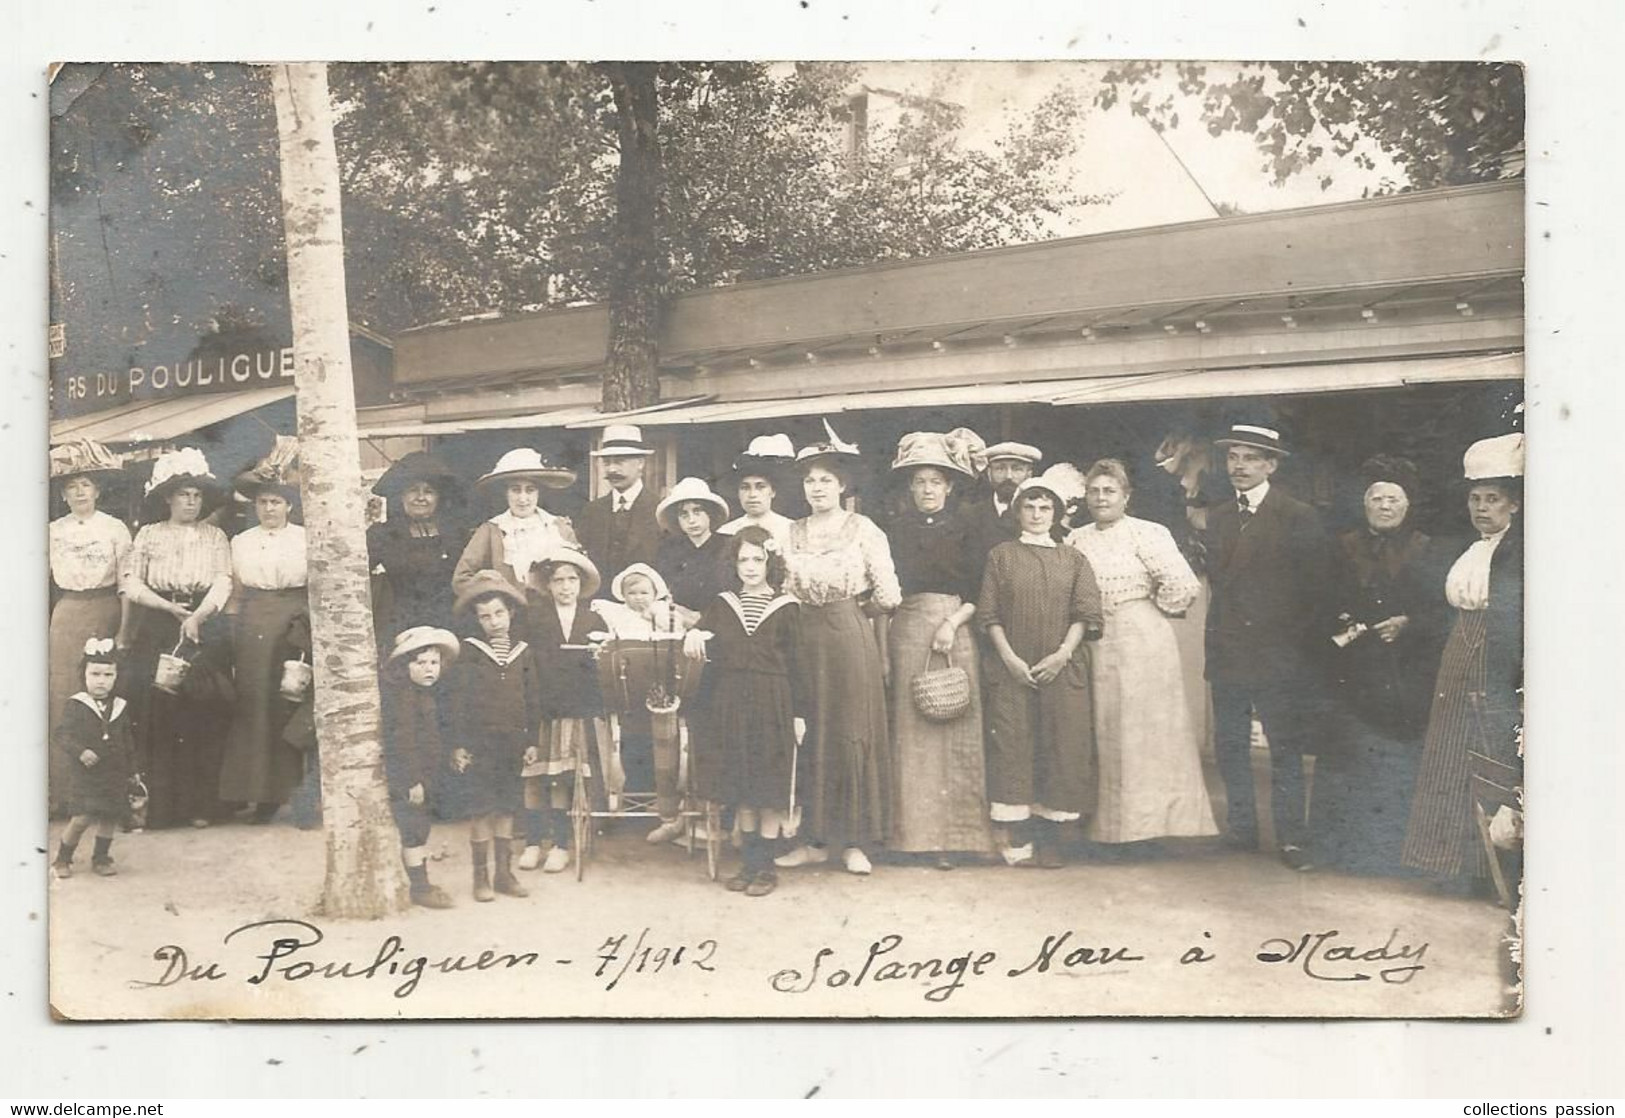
x=619 y=528
x=758 y=475
x=1008 y=465
x=87 y=547
x=1268 y=567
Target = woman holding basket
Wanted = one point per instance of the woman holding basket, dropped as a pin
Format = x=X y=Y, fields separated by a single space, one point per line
x=939 y=786
x=178 y=576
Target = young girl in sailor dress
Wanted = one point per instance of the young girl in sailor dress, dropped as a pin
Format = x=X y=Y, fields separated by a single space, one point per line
x=746 y=728
x=94 y=737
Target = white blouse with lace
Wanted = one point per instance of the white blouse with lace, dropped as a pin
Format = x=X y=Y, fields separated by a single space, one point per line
x=840 y=561
x=1135 y=559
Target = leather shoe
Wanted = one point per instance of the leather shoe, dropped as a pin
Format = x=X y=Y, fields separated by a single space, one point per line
x=1295 y=857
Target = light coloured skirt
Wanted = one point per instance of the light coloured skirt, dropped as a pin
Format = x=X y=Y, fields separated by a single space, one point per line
x=939 y=786
x=1150 y=769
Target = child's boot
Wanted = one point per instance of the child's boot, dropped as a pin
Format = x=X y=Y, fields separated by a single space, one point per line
x=423 y=893
x=482 y=871
x=752 y=854
x=63 y=865
x=506 y=883
x=101 y=861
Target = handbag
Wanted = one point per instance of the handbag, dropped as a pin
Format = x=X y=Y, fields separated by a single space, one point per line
x=941 y=694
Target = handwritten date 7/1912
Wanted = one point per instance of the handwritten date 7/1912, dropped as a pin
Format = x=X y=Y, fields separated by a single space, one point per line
x=647 y=957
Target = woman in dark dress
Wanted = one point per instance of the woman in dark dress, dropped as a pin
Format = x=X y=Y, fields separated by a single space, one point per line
x=1039 y=604
x=415 y=550
x=690 y=556
x=1478 y=699
x=1383 y=650
x=939 y=791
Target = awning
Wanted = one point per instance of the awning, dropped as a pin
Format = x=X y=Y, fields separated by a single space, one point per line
x=1291 y=380
x=557 y=418
x=1182 y=384
x=160 y=421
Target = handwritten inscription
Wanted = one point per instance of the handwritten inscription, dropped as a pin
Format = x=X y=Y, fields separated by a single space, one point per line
x=287 y=951
x=1323 y=959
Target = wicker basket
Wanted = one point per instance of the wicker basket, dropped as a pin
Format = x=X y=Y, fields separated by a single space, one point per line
x=942 y=694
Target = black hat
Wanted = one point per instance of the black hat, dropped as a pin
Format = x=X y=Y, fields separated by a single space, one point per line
x=1394 y=470
x=418 y=466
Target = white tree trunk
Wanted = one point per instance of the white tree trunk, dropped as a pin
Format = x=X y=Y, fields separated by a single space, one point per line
x=364 y=873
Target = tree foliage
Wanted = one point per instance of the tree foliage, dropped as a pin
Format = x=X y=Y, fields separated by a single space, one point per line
x=1440 y=123
x=510 y=170
x=474 y=188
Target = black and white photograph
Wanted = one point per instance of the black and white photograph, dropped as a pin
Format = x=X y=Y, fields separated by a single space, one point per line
x=773 y=539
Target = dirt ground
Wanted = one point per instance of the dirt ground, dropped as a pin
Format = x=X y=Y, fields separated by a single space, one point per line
x=218 y=923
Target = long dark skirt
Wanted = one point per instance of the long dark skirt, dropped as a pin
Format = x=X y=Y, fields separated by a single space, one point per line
x=1442 y=836
x=845 y=764
x=1362 y=798
x=258 y=766
x=76 y=617
x=178 y=737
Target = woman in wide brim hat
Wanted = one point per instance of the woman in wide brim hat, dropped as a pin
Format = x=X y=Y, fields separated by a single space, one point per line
x=179 y=469
x=1478 y=695
x=414 y=552
x=940 y=795
x=840 y=569
x=690 y=556
x=272 y=610
x=758 y=476
x=178 y=576
x=86 y=549
x=524 y=463
x=514 y=540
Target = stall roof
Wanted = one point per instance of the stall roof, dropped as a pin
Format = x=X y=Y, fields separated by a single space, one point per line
x=1436 y=251
x=1182 y=384
x=159 y=421
x=553 y=418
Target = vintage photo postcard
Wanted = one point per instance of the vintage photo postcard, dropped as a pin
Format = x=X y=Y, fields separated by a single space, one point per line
x=786 y=540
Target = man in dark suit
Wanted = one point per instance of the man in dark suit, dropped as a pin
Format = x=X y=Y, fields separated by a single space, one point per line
x=1008 y=465
x=619 y=528
x=1268 y=561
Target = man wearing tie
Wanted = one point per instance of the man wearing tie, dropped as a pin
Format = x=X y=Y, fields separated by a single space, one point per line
x=619 y=528
x=1268 y=565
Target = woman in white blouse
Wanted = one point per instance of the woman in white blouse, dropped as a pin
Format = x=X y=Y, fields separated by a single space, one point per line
x=86 y=548
x=178 y=576
x=1150 y=769
x=268 y=570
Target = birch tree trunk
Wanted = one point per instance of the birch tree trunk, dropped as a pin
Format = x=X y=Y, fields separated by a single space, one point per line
x=632 y=367
x=364 y=873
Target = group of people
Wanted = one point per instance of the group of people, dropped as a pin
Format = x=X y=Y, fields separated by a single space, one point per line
x=989 y=672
